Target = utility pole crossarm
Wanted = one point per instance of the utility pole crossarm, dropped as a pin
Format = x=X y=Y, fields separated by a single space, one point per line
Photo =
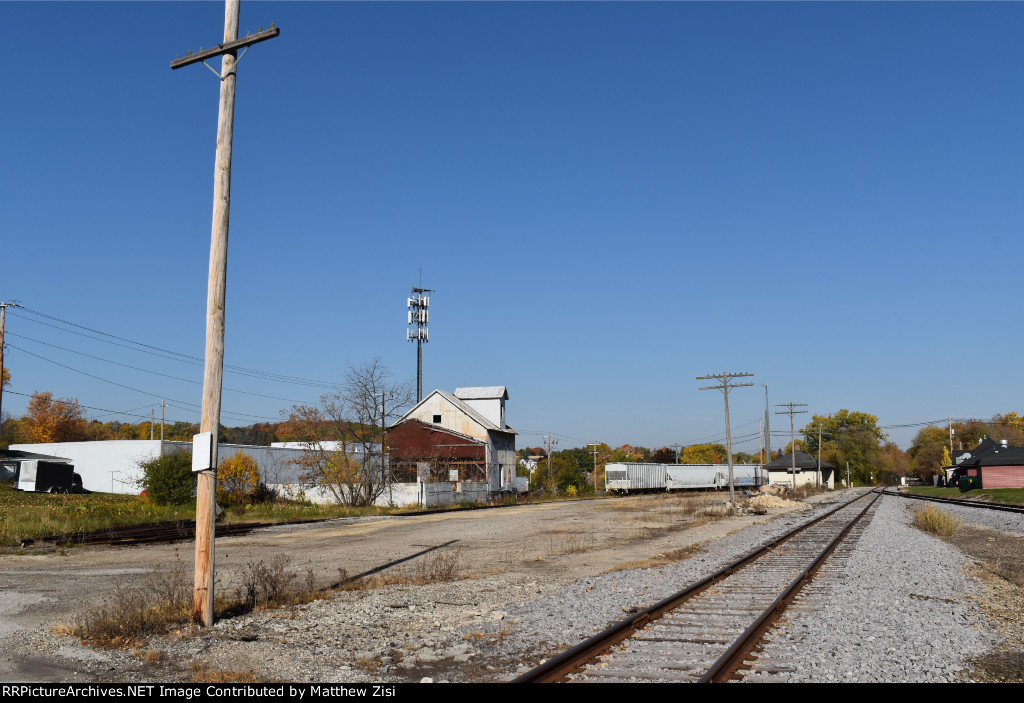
x=226 y=47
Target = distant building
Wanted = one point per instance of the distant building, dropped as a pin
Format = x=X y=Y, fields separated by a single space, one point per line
x=113 y=465
x=459 y=438
x=780 y=471
x=996 y=464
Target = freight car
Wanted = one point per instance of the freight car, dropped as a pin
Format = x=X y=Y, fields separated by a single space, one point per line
x=636 y=478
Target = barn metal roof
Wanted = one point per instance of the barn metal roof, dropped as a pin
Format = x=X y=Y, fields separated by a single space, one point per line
x=481 y=392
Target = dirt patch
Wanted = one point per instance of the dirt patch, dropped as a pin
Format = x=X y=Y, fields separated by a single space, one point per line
x=999 y=566
x=665 y=558
x=1000 y=667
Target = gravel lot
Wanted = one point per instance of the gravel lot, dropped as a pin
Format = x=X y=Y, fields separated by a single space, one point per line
x=535 y=579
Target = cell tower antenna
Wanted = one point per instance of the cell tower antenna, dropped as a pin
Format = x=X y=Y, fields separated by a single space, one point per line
x=417 y=331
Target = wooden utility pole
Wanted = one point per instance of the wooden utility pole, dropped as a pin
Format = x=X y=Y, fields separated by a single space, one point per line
x=725 y=385
x=792 y=432
x=3 y=318
x=593 y=474
x=206 y=489
x=385 y=470
x=550 y=438
x=819 y=478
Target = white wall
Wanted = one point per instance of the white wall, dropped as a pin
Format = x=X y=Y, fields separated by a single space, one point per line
x=94 y=461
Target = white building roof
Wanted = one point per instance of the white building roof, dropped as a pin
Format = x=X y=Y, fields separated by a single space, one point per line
x=481 y=392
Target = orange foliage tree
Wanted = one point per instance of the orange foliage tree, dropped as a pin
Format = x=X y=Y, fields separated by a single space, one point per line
x=50 y=420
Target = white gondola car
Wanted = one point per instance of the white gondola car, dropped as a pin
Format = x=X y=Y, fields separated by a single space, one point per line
x=627 y=478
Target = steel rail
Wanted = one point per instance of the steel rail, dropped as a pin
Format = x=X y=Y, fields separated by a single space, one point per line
x=177 y=531
x=726 y=665
x=559 y=666
x=966 y=503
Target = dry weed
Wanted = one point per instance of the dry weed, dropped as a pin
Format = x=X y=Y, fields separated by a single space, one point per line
x=199 y=673
x=135 y=611
x=936 y=522
x=367 y=665
x=263 y=584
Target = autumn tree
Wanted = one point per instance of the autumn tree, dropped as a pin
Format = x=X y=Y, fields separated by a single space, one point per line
x=49 y=420
x=1011 y=420
x=572 y=479
x=847 y=436
x=663 y=456
x=703 y=454
x=893 y=463
x=926 y=451
x=342 y=436
x=238 y=479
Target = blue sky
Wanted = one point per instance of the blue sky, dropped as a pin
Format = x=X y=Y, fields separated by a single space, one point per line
x=610 y=199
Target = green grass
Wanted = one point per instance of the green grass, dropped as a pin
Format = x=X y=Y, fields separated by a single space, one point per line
x=25 y=516
x=1011 y=496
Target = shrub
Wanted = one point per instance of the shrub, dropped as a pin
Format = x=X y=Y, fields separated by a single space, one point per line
x=572 y=476
x=238 y=480
x=168 y=480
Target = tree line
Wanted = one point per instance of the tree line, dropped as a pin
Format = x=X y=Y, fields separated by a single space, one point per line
x=49 y=419
x=849 y=440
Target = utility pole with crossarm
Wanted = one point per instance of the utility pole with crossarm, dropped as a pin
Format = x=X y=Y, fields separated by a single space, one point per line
x=213 y=374
x=792 y=431
x=725 y=384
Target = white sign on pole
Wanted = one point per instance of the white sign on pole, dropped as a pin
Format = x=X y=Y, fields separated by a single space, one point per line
x=202 y=451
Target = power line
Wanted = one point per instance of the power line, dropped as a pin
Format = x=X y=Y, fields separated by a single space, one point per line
x=174 y=356
x=155 y=373
x=105 y=411
x=131 y=388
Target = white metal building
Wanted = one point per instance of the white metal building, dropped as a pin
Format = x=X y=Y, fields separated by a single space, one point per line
x=113 y=465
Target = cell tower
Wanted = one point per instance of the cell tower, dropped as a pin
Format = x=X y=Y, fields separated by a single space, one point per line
x=419 y=316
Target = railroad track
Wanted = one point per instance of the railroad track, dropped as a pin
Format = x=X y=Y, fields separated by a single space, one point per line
x=705 y=633
x=162 y=533
x=1019 y=509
